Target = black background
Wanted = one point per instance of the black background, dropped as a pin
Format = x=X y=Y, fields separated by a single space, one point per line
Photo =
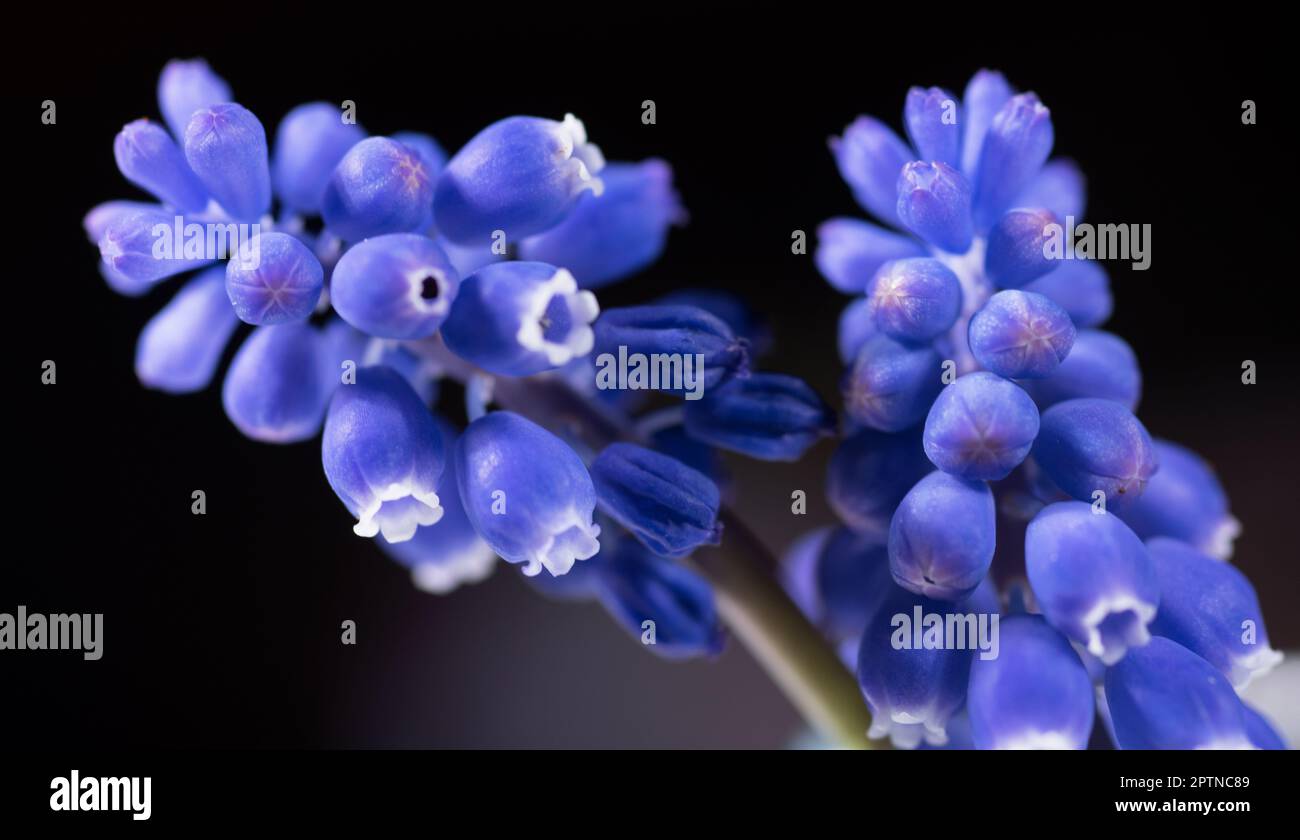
x=223 y=630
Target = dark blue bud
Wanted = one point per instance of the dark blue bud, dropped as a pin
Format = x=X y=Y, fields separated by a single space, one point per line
x=768 y=416
x=685 y=338
x=668 y=608
x=671 y=508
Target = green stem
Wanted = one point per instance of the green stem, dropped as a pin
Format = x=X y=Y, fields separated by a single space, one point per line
x=742 y=571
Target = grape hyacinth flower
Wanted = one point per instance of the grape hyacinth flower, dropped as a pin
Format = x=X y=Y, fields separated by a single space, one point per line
x=400 y=285
x=1092 y=577
x=1035 y=695
x=433 y=276
x=527 y=493
x=521 y=175
x=981 y=427
x=1211 y=609
x=384 y=455
x=520 y=318
x=1164 y=697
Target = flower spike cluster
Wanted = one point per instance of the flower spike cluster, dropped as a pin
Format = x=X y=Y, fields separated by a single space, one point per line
x=976 y=369
x=371 y=268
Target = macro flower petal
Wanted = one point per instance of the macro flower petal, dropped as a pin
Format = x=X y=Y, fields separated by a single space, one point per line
x=179 y=349
x=399 y=285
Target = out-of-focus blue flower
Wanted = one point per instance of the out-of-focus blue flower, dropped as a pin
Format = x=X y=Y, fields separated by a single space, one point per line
x=448 y=553
x=857 y=323
x=685 y=335
x=181 y=346
x=1017 y=144
x=1260 y=732
x=1035 y=694
x=670 y=609
x=1211 y=609
x=520 y=318
x=870 y=157
x=380 y=186
x=934 y=204
x=934 y=125
x=1100 y=365
x=274 y=279
x=1059 y=187
x=98 y=219
x=527 y=493
x=891 y=386
x=730 y=309
x=383 y=455
x=870 y=473
x=851 y=251
x=135 y=243
x=985 y=94
x=1081 y=288
x=617 y=233
x=914 y=300
x=275 y=389
x=671 y=508
x=226 y=147
x=1184 y=500
x=309 y=143
x=769 y=416
x=186 y=86
x=838 y=578
x=1164 y=697
x=520 y=175
x=1021 y=335
x=980 y=427
x=1015 y=255
x=1092 y=445
x=942 y=536
x=149 y=158
x=400 y=285
x=1092 y=578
